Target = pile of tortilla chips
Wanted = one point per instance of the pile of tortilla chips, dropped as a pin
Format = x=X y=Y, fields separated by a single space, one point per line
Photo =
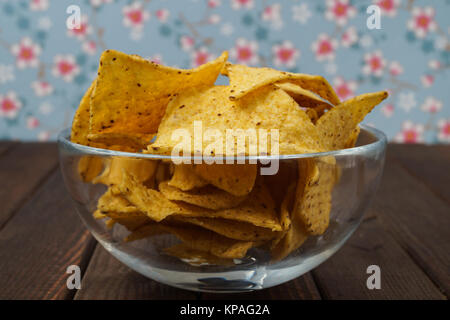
x=217 y=211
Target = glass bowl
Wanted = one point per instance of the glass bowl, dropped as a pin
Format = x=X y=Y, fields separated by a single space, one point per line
x=358 y=171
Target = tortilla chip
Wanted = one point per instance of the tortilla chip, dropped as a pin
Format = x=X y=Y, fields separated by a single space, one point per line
x=132 y=93
x=206 y=197
x=110 y=203
x=142 y=169
x=185 y=178
x=136 y=141
x=89 y=167
x=210 y=242
x=291 y=241
x=80 y=123
x=230 y=228
x=304 y=98
x=351 y=142
x=145 y=231
x=258 y=209
x=313 y=195
x=337 y=125
x=237 y=179
x=269 y=108
x=244 y=80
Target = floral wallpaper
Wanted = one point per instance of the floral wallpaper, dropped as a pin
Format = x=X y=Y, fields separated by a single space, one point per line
x=46 y=67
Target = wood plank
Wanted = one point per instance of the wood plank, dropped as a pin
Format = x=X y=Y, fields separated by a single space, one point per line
x=21 y=171
x=40 y=241
x=344 y=275
x=429 y=164
x=6 y=145
x=301 y=288
x=418 y=220
x=107 y=278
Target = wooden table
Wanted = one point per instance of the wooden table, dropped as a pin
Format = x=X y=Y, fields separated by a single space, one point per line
x=405 y=232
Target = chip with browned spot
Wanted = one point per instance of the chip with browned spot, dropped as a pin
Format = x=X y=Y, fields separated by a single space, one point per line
x=131 y=93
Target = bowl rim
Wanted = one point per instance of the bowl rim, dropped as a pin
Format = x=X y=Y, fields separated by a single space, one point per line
x=379 y=144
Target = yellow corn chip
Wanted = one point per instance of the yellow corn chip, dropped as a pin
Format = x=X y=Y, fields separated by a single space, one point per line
x=145 y=231
x=351 y=142
x=268 y=108
x=245 y=79
x=313 y=195
x=237 y=179
x=89 y=167
x=291 y=241
x=115 y=203
x=80 y=123
x=258 y=209
x=185 y=178
x=136 y=141
x=338 y=124
x=142 y=169
x=132 y=93
x=230 y=228
x=304 y=98
x=210 y=242
x=206 y=197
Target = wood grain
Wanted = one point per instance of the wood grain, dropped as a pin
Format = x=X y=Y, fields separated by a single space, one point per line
x=40 y=242
x=6 y=145
x=301 y=288
x=418 y=220
x=21 y=171
x=107 y=278
x=429 y=164
x=344 y=275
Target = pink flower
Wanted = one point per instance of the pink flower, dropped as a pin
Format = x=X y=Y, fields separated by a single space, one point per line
x=374 y=64
x=9 y=105
x=324 y=47
x=186 y=43
x=411 y=133
x=134 y=15
x=422 y=21
x=339 y=11
x=431 y=105
x=214 y=19
x=200 y=56
x=245 y=52
x=64 y=66
x=238 y=4
x=81 y=32
x=43 y=136
x=285 y=54
x=162 y=15
x=213 y=3
x=395 y=68
x=32 y=122
x=444 y=130
x=26 y=53
x=42 y=88
x=434 y=64
x=38 y=5
x=388 y=7
x=344 y=89
x=271 y=12
x=90 y=47
x=349 y=37
x=387 y=110
x=427 y=80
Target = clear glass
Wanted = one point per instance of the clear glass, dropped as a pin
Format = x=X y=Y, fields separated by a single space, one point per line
x=360 y=169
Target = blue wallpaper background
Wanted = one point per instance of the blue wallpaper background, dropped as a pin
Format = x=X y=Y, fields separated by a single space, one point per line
x=45 y=67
